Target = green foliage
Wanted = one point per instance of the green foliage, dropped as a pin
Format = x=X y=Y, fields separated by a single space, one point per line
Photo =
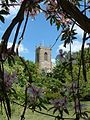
x=3 y=12
x=5 y=9
x=68 y=36
x=59 y=72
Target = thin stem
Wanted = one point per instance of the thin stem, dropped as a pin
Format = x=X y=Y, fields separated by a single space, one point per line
x=5 y=96
x=82 y=58
x=56 y=40
x=25 y=107
x=40 y=111
x=16 y=35
x=7 y=33
x=6 y=111
x=26 y=67
x=21 y=37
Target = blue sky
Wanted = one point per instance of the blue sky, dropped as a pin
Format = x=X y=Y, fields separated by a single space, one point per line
x=38 y=31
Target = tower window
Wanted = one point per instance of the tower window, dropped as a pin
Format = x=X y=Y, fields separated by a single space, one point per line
x=45 y=56
x=37 y=56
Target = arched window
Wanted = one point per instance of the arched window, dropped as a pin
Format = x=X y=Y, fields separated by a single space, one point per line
x=45 y=56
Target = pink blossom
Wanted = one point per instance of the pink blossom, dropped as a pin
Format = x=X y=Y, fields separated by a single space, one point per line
x=34 y=12
x=53 y=2
x=61 y=18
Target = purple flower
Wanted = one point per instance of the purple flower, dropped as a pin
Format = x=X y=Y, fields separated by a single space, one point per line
x=59 y=103
x=35 y=91
x=9 y=79
x=77 y=106
x=34 y=94
x=74 y=87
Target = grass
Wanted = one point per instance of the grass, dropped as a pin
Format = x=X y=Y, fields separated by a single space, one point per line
x=17 y=111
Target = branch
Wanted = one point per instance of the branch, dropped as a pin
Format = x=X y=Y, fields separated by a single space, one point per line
x=43 y=113
x=19 y=17
x=16 y=35
x=82 y=58
x=21 y=37
x=25 y=107
x=76 y=14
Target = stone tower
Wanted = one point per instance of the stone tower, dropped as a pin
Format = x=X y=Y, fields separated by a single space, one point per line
x=43 y=59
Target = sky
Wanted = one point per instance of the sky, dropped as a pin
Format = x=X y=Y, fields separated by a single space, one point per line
x=38 y=32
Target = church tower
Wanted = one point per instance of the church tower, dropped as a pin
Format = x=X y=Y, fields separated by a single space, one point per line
x=43 y=58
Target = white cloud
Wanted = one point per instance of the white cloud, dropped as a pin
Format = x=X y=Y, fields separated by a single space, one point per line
x=76 y=46
x=53 y=60
x=21 y=49
x=13 y=11
x=79 y=31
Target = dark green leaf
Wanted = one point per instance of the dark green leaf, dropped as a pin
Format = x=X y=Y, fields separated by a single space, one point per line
x=4 y=12
x=66 y=111
x=48 y=17
x=74 y=37
x=58 y=26
x=85 y=114
x=39 y=107
x=51 y=21
x=2 y=18
x=43 y=106
x=55 y=110
x=9 y=61
x=50 y=108
x=8 y=104
x=12 y=0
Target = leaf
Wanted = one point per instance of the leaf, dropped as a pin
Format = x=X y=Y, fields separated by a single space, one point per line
x=85 y=114
x=74 y=33
x=58 y=118
x=50 y=108
x=66 y=111
x=48 y=17
x=51 y=21
x=2 y=19
x=43 y=106
x=6 y=2
x=55 y=110
x=74 y=37
x=39 y=107
x=8 y=104
x=4 y=12
x=58 y=26
x=14 y=93
x=12 y=0
x=9 y=61
x=13 y=59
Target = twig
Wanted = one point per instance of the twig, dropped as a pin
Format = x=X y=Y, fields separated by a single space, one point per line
x=21 y=37
x=40 y=111
x=25 y=106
